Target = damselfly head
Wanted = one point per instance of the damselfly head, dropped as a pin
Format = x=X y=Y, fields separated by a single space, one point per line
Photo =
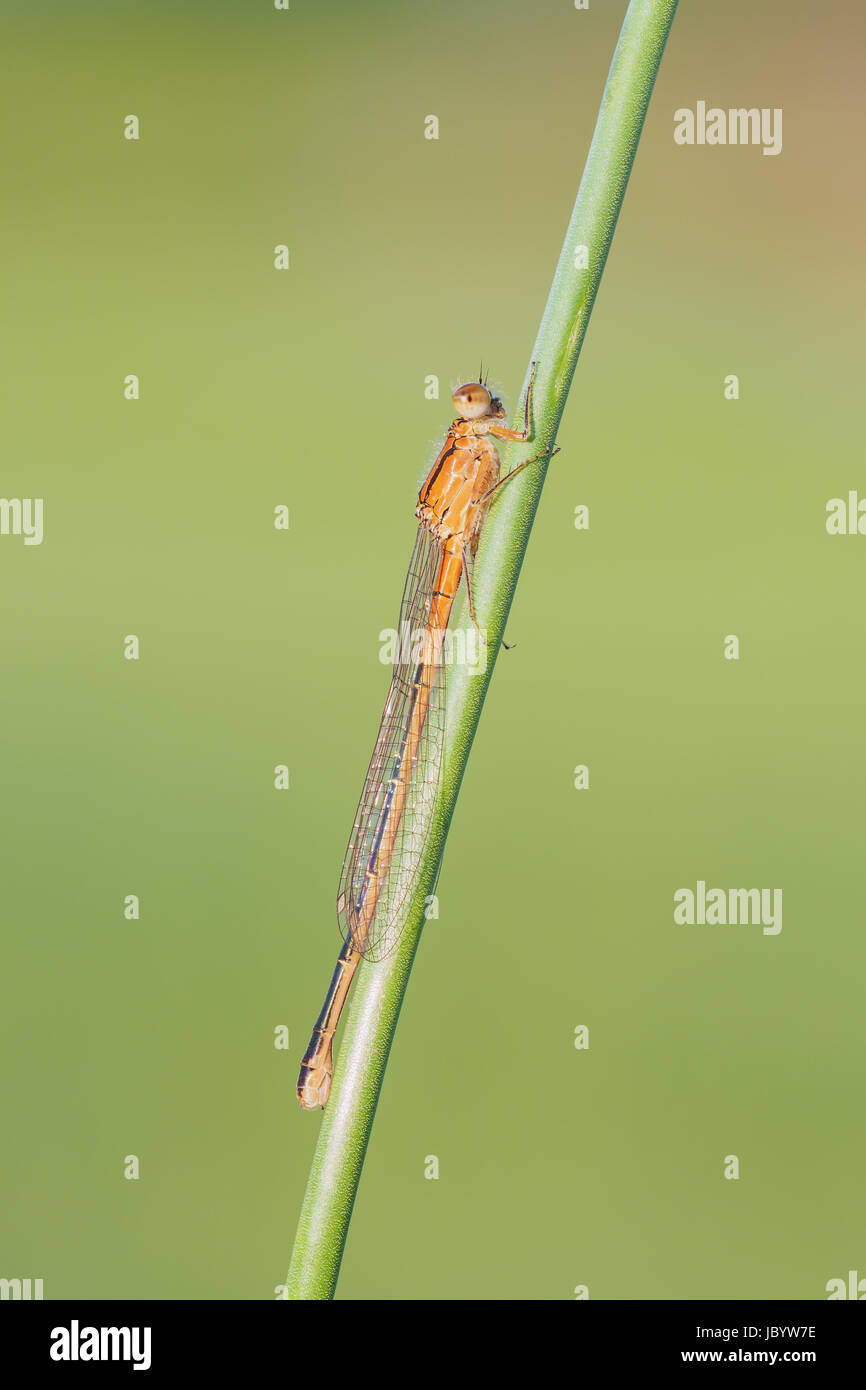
x=472 y=401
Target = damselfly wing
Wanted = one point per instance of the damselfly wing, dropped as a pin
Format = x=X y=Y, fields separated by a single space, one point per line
x=402 y=783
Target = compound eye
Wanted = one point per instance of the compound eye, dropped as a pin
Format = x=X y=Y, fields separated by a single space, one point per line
x=472 y=400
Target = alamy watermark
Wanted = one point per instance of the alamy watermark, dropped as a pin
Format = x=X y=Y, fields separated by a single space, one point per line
x=738 y=125
x=21 y=1289
x=409 y=646
x=731 y=907
x=77 y=1343
x=846 y=516
x=22 y=516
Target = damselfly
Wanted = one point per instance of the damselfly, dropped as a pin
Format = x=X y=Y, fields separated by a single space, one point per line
x=389 y=833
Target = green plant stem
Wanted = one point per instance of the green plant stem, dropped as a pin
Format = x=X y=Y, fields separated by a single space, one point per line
x=379 y=989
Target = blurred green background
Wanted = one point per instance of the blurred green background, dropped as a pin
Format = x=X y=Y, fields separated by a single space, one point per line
x=707 y=517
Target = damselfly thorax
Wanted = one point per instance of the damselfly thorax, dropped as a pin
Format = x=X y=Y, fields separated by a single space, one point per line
x=468 y=467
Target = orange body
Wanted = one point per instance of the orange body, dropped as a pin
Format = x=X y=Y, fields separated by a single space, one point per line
x=452 y=505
